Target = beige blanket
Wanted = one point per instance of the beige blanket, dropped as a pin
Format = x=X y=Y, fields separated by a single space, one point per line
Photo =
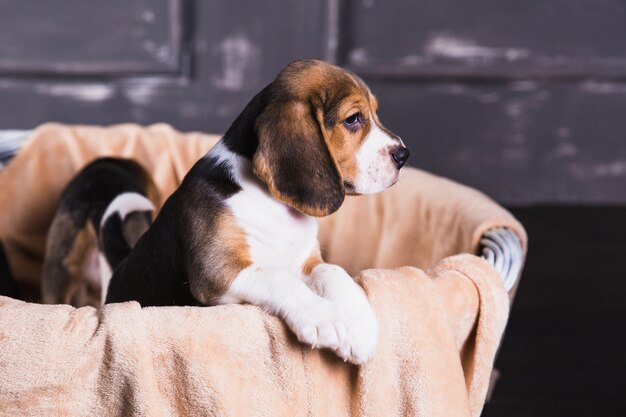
x=439 y=326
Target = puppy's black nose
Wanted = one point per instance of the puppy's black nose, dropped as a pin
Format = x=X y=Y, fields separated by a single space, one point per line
x=400 y=155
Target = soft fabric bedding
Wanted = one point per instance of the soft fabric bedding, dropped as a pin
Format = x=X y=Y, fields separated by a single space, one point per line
x=442 y=310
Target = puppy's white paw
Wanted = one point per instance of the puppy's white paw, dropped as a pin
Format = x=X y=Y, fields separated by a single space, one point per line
x=334 y=284
x=319 y=324
x=362 y=332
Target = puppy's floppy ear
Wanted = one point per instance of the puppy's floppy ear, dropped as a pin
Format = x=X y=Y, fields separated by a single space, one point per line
x=294 y=160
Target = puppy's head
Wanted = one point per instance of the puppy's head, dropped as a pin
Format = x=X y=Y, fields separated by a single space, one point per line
x=320 y=138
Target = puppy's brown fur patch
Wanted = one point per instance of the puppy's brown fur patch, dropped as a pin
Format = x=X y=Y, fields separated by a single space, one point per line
x=83 y=286
x=343 y=143
x=55 y=277
x=218 y=255
x=312 y=261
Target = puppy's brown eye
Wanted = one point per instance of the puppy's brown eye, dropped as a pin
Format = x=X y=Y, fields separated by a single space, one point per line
x=353 y=120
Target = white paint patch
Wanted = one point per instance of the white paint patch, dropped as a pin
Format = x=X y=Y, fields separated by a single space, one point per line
x=105 y=276
x=514 y=108
x=587 y=172
x=82 y=92
x=147 y=16
x=566 y=150
x=597 y=87
x=162 y=53
x=240 y=60
x=358 y=56
x=144 y=91
x=126 y=203
x=376 y=169
x=411 y=60
x=610 y=169
x=451 y=47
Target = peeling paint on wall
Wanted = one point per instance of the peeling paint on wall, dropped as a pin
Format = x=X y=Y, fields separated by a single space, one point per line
x=240 y=61
x=358 y=56
x=143 y=91
x=452 y=47
x=162 y=53
x=565 y=150
x=411 y=60
x=598 y=87
x=81 y=92
x=612 y=169
x=147 y=16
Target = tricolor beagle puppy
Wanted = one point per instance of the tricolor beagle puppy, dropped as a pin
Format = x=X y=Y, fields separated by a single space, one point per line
x=101 y=215
x=241 y=227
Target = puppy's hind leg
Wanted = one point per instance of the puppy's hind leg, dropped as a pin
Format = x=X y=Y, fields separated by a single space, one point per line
x=55 y=278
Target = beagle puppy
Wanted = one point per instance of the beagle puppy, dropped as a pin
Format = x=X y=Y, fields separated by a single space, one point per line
x=101 y=215
x=241 y=227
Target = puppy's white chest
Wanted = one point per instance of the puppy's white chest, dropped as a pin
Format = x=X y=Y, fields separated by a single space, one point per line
x=276 y=235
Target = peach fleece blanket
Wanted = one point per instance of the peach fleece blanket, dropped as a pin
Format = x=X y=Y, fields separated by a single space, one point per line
x=440 y=326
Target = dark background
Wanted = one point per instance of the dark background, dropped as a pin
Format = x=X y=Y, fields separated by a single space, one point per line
x=525 y=100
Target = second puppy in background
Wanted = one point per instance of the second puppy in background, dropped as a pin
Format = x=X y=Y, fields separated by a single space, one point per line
x=102 y=214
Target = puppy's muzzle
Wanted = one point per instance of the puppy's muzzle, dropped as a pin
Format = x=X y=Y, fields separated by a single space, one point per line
x=400 y=156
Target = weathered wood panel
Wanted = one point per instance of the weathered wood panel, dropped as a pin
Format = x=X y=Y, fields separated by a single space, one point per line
x=546 y=137
x=522 y=142
x=487 y=38
x=79 y=37
x=237 y=48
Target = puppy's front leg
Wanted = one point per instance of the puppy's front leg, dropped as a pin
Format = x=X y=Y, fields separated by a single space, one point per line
x=334 y=284
x=315 y=320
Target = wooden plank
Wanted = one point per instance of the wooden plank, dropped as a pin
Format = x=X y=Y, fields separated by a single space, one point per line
x=486 y=38
x=75 y=37
x=235 y=56
x=522 y=142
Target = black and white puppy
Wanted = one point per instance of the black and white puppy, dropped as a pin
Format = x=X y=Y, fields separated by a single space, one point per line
x=101 y=215
x=241 y=227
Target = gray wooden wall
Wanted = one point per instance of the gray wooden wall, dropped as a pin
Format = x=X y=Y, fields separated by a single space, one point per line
x=525 y=100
